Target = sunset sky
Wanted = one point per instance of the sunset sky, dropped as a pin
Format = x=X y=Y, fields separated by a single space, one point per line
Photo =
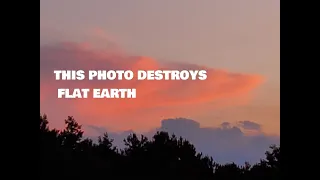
x=238 y=42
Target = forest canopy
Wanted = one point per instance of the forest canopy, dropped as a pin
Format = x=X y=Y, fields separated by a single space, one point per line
x=66 y=153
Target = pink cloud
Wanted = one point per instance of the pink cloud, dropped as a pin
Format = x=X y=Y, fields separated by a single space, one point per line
x=155 y=99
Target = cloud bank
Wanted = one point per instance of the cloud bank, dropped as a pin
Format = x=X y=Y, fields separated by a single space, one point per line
x=155 y=100
x=226 y=143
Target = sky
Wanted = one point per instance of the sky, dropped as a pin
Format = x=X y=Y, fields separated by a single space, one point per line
x=237 y=42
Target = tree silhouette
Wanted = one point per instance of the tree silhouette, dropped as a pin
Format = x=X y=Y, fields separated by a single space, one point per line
x=72 y=134
x=66 y=154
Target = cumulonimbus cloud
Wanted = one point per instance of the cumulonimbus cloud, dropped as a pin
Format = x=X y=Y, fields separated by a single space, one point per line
x=155 y=99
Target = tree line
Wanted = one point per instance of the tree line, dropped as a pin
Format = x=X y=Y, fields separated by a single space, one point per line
x=66 y=154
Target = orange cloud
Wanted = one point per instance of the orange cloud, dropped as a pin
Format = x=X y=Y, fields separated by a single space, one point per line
x=155 y=99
